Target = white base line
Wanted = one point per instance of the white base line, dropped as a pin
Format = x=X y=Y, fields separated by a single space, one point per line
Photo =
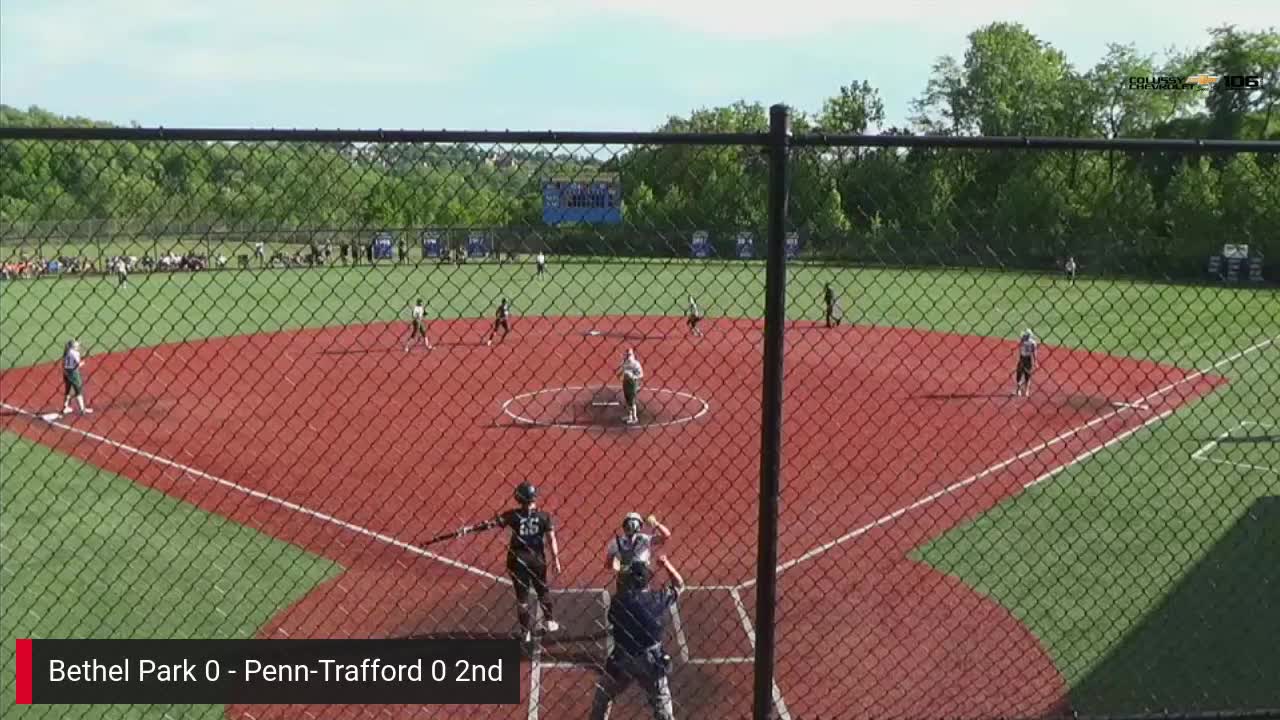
x=1204 y=451
x=1247 y=466
x=681 y=640
x=1090 y=453
x=608 y=634
x=1199 y=454
x=778 y=704
x=928 y=499
x=535 y=681
x=257 y=494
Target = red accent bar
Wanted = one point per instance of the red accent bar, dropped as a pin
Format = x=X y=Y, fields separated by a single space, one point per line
x=24 y=672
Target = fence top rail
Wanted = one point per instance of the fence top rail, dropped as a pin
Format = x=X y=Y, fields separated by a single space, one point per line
x=548 y=137
x=1036 y=143
x=551 y=137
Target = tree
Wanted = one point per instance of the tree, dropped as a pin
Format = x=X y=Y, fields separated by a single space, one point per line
x=852 y=111
x=1233 y=52
x=1010 y=83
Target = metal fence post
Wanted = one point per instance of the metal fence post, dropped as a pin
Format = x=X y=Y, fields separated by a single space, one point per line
x=771 y=410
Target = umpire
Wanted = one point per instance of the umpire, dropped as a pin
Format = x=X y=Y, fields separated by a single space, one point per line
x=637 y=618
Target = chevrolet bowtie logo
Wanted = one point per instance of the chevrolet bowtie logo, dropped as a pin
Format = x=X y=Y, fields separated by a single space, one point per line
x=1201 y=80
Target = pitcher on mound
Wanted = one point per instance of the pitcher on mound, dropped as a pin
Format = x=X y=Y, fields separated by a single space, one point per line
x=632 y=373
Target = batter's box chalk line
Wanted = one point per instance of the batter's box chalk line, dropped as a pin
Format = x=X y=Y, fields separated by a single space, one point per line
x=703 y=407
x=677 y=629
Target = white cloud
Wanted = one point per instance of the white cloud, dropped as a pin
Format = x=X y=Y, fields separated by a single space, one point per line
x=262 y=41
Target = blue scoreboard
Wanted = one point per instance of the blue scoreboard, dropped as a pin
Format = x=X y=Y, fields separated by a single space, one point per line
x=595 y=200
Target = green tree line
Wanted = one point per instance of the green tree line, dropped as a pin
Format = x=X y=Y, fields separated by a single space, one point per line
x=1147 y=212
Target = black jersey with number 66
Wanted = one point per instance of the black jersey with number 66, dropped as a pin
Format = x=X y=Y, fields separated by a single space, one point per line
x=529 y=530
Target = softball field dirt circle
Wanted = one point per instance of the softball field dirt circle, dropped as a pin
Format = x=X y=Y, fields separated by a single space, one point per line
x=585 y=407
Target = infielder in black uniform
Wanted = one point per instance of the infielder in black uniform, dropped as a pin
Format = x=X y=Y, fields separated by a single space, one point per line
x=694 y=317
x=501 y=321
x=532 y=531
x=829 y=300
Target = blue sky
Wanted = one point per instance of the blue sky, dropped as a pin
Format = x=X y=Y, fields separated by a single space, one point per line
x=496 y=64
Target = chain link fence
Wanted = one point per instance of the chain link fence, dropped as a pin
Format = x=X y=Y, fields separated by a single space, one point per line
x=919 y=427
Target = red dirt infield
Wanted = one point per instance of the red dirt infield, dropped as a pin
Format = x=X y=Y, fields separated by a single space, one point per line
x=340 y=442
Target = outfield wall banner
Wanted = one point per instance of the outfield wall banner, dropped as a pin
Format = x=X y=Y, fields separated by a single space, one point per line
x=430 y=243
x=383 y=246
x=478 y=244
x=793 y=245
x=746 y=245
x=701 y=245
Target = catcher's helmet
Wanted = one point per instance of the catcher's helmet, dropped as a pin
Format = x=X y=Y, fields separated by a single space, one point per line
x=526 y=493
x=632 y=523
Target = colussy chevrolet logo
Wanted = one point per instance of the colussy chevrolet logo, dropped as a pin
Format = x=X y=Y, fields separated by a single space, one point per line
x=1203 y=80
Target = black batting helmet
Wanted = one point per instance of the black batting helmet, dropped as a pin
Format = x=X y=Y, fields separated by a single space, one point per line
x=526 y=493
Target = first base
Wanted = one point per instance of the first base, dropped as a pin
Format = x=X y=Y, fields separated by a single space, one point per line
x=50 y=417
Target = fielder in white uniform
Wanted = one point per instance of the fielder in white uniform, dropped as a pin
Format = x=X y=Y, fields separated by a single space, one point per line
x=1027 y=348
x=419 y=329
x=632 y=373
x=72 y=381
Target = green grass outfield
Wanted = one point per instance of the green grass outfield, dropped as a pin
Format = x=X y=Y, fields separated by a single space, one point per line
x=1110 y=563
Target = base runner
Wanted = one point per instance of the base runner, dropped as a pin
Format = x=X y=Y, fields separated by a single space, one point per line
x=1027 y=348
x=419 y=328
x=72 y=381
x=631 y=373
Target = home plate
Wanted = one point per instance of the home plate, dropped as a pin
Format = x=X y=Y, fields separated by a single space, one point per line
x=50 y=417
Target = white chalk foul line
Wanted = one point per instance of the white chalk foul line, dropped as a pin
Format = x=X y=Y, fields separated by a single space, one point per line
x=535 y=681
x=682 y=640
x=1247 y=466
x=778 y=704
x=1090 y=453
x=1204 y=449
x=966 y=482
x=265 y=497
